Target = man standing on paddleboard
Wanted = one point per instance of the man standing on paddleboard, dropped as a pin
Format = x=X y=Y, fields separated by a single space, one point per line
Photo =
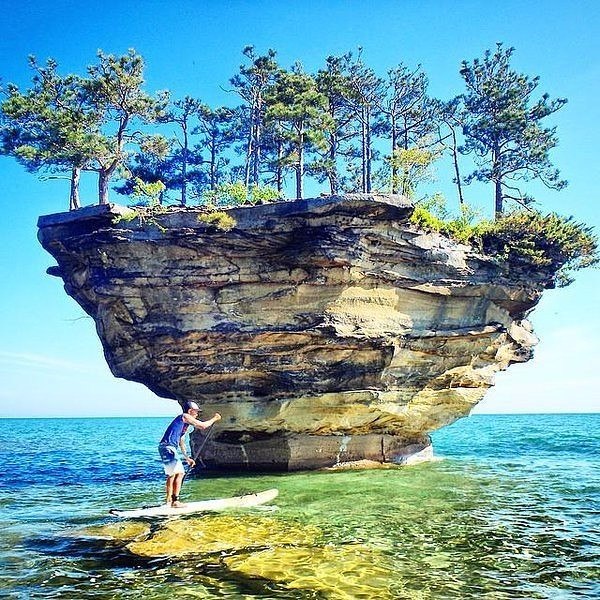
x=174 y=438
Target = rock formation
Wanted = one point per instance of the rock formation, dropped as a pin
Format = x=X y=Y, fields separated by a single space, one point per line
x=325 y=330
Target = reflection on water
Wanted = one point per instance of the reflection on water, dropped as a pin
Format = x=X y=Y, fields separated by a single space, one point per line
x=486 y=522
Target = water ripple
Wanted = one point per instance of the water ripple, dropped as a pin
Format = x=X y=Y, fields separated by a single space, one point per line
x=513 y=511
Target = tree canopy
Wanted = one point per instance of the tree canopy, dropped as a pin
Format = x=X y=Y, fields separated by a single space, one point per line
x=502 y=125
x=298 y=108
x=74 y=123
x=344 y=125
x=51 y=127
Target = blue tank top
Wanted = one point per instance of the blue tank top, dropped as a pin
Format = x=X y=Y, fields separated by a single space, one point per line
x=175 y=431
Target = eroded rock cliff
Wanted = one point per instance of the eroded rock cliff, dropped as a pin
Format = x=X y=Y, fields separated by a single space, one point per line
x=324 y=330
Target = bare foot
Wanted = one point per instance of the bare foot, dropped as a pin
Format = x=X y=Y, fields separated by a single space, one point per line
x=177 y=504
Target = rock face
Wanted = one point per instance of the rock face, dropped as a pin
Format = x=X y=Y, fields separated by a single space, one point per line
x=325 y=330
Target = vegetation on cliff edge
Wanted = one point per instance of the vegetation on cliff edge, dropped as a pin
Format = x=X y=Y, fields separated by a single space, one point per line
x=526 y=239
x=344 y=125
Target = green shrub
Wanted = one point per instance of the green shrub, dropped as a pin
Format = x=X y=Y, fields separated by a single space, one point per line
x=412 y=166
x=219 y=219
x=263 y=194
x=236 y=194
x=424 y=219
x=551 y=243
x=148 y=193
x=431 y=214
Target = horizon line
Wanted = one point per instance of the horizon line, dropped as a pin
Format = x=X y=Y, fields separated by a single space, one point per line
x=490 y=414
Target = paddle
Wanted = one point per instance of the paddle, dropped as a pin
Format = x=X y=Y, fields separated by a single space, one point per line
x=196 y=456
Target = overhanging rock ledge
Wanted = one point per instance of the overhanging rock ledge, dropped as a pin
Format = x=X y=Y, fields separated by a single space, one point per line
x=325 y=330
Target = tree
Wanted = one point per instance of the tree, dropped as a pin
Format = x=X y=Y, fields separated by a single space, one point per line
x=251 y=84
x=151 y=168
x=502 y=127
x=407 y=114
x=115 y=90
x=296 y=104
x=51 y=127
x=276 y=162
x=334 y=83
x=217 y=128
x=182 y=112
x=365 y=93
x=236 y=194
x=80 y=123
x=411 y=167
x=449 y=119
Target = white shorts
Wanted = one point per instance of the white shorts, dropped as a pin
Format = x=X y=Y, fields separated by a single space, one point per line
x=170 y=461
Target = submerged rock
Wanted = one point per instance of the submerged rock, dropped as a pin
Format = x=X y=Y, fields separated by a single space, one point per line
x=325 y=331
x=208 y=535
x=268 y=550
x=126 y=531
x=340 y=572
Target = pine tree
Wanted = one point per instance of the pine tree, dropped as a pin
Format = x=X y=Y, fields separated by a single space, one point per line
x=296 y=104
x=114 y=88
x=334 y=83
x=151 y=168
x=407 y=114
x=251 y=84
x=51 y=127
x=365 y=94
x=183 y=113
x=217 y=130
x=276 y=160
x=449 y=120
x=502 y=127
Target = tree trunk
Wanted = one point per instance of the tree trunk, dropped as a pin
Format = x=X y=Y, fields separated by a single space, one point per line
x=300 y=166
x=213 y=165
x=498 y=198
x=103 y=181
x=278 y=167
x=496 y=178
x=249 y=150
x=363 y=187
x=256 y=163
x=406 y=182
x=332 y=170
x=184 y=163
x=258 y=121
x=74 y=196
x=461 y=199
x=368 y=153
x=394 y=185
x=333 y=175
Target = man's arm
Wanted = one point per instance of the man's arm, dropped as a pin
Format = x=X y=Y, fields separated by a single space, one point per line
x=182 y=447
x=201 y=424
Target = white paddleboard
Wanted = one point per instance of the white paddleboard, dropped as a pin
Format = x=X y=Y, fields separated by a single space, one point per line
x=204 y=505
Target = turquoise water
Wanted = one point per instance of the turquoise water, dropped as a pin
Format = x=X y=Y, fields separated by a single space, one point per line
x=511 y=511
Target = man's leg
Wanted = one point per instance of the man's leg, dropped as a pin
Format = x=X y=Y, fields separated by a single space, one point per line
x=177 y=481
x=170 y=464
x=170 y=481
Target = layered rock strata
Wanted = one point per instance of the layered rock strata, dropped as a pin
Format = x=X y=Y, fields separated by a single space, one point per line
x=324 y=330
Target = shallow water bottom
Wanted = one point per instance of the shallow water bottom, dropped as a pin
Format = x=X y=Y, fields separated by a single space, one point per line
x=482 y=523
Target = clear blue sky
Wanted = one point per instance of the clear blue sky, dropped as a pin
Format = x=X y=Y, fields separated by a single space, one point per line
x=51 y=363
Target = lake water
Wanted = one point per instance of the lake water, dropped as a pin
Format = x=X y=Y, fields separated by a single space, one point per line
x=512 y=510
